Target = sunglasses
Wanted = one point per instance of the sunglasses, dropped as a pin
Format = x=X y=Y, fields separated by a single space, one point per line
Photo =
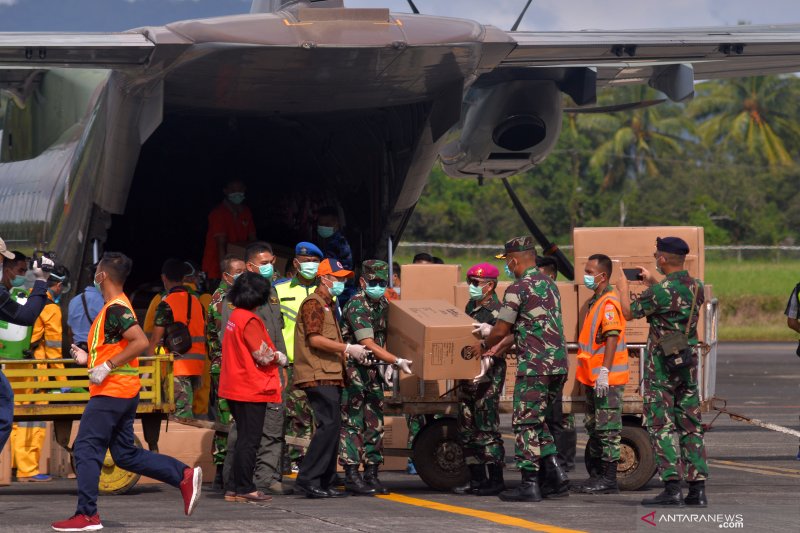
x=377 y=283
x=476 y=282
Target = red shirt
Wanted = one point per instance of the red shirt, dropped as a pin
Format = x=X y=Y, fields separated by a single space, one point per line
x=240 y=378
x=236 y=227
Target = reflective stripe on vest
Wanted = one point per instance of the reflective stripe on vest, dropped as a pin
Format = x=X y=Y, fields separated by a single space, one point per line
x=123 y=381
x=591 y=354
x=192 y=362
x=56 y=343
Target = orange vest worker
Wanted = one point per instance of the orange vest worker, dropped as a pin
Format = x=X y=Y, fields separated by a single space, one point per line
x=192 y=362
x=605 y=315
x=123 y=381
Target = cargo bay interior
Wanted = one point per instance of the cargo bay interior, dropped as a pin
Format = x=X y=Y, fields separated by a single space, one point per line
x=356 y=161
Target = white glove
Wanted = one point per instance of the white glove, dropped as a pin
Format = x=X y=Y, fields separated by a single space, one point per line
x=601 y=384
x=80 y=356
x=98 y=374
x=356 y=352
x=486 y=364
x=282 y=359
x=404 y=365
x=388 y=375
x=482 y=329
x=38 y=273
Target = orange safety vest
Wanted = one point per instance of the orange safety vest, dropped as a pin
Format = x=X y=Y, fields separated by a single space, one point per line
x=192 y=362
x=123 y=381
x=591 y=353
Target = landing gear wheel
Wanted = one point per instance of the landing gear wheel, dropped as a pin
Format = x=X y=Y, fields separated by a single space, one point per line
x=439 y=457
x=113 y=479
x=637 y=464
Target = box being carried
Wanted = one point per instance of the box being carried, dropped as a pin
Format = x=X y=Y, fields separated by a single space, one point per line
x=436 y=336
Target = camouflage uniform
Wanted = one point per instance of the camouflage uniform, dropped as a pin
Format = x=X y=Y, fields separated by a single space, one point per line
x=361 y=437
x=222 y=412
x=479 y=408
x=533 y=304
x=671 y=399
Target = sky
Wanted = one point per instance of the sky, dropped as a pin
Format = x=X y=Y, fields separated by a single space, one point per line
x=543 y=15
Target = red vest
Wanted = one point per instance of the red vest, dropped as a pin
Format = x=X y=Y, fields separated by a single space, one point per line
x=241 y=378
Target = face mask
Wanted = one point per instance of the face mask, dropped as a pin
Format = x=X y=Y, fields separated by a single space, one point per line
x=98 y=285
x=325 y=231
x=376 y=293
x=19 y=281
x=509 y=273
x=309 y=269
x=475 y=293
x=266 y=270
x=337 y=288
x=56 y=297
x=236 y=197
x=589 y=281
x=658 y=267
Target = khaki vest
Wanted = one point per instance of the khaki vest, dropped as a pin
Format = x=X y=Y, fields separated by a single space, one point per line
x=311 y=364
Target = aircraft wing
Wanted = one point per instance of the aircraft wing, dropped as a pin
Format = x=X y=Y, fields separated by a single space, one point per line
x=636 y=56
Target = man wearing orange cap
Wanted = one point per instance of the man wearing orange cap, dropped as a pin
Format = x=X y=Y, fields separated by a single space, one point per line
x=320 y=356
x=478 y=414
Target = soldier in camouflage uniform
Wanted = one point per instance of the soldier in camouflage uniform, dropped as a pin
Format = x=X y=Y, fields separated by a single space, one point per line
x=232 y=268
x=478 y=413
x=532 y=310
x=361 y=436
x=671 y=398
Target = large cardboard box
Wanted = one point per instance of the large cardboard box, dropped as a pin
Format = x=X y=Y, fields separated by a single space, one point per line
x=430 y=282
x=395 y=437
x=430 y=389
x=187 y=444
x=436 y=336
x=5 y=466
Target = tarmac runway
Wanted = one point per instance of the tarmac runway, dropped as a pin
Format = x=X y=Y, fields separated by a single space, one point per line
x=754 y=485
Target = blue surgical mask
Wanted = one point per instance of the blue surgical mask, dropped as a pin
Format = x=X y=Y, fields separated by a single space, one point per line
x=309 y=269
x=325 y=231
x=337 y=288
x=376 y=292
x=236 y=197
x=475 y=293
x=19 y=281
x=266 y=270
x=98 y=285
x=509 y=273
x=589 y=281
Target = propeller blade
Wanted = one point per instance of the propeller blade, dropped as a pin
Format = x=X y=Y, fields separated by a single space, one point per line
x=413 y=7
x=614 y=108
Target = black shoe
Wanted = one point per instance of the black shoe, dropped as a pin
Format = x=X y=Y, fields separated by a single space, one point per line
x=354 y=483
x=477 y=476
x=606 y=483
x=528 y=490
x=334 y=493
x=312 y=492
x=670 y=497
x=495 y=484
x=218 y=483
x=371 y=479
x=697 y=494
x=553 y=481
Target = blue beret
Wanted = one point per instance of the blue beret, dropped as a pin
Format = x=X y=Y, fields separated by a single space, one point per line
x=672 y=245
x=307 y=248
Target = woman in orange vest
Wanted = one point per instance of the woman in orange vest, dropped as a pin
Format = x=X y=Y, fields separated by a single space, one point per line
x=249 y=379
x=603 y=368
x=115 y=341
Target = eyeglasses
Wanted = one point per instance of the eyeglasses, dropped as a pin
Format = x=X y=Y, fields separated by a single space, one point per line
x=377 y=283
x=476 y=282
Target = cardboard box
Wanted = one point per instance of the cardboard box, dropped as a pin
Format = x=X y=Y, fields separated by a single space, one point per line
x=187 y=444
x=569 y=309
x=5 y=466
x=436 y=336
x=430 y=282
x=410 y=387
x=395 y=432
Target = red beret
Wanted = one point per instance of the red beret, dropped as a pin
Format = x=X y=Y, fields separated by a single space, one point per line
x=483 y=270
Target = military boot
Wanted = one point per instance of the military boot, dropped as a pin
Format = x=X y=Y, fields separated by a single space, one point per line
x=606 y=483
x=593 y=468
x=477 y=477
x=371 y=479
x=670 y=496
x=553 y=480
x=354 y=483
x=569 y=444
x=528 y=490
x=495 y=484
x=697 y=494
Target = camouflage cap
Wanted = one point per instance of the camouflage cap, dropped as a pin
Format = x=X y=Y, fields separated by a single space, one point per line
x=517 y=244
x=375 y=269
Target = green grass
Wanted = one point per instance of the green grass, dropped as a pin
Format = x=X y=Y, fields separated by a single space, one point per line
x=752 y=293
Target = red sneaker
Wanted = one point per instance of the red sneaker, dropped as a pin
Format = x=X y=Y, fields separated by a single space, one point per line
x=79 y=522
x=190 y=488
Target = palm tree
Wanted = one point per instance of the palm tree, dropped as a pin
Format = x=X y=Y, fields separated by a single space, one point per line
x=754 y=114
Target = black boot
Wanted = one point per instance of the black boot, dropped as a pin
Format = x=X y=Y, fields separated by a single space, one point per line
x=593 y=467
x=697 y=494
x=354 y=483
x=495 y=484
x=477 y=477
x=569 y=443
x=606 y=483
x=670 y=496
x=552 y=478
x=371 y=479
x=528 y=490
x=218 y=483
